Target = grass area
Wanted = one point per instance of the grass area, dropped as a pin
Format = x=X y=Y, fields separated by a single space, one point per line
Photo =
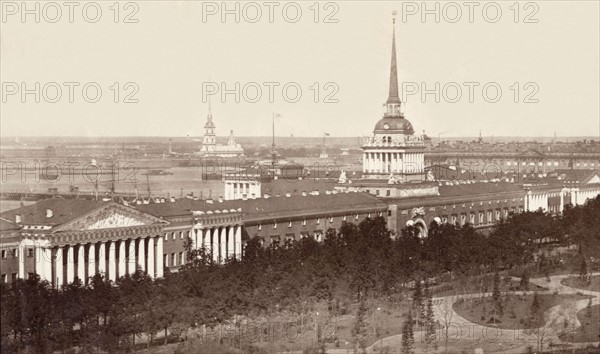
x=590 y=326
x=516 y=313
x=578 y=283
x=481 y=284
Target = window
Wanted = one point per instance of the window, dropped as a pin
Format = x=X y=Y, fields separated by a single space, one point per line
x=472 y=219
x=173 y=259
x=344 y=218
x=181 y=235
x=489 y=217
x=259 y=227
x=389 y=213
x=304 y=222
x=388 y=193
x=331 y=219
x=356 y=217
x=377 y=192
x=181 y=258
x=30 y=252
x=30 y=275
x=275 y=225
x=319 y=235
x=290 y=224
x=166 y=260
x=14 y=278
x=481 y=221
x=3 y=254
x=275 y=240
x=318 y=221
x=3 y=279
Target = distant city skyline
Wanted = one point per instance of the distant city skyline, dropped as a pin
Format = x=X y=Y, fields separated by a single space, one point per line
x=554 y=61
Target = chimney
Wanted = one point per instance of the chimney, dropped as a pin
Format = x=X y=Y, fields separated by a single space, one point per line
x=304 y=193
x=18 y=218
x=288 y=194
x=49 y=213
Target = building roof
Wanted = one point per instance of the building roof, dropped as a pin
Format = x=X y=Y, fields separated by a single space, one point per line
x=7 y=225
x=273 y=207
x=394 y=125
x=577 y=176
x=63 y=210
x=478 y=188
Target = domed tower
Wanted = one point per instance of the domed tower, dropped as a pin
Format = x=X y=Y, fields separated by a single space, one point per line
x=393 y=151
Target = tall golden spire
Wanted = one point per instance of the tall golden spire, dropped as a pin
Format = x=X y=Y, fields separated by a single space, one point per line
x=393 y=97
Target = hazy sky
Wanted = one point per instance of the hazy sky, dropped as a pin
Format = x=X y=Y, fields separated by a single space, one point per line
x=172 y=50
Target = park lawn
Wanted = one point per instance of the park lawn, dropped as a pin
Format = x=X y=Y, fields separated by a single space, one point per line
x=590 y=327
x=480 y=284
x=578 y=283
x=516 y=311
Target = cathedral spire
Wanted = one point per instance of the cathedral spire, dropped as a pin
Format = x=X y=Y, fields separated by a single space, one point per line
x=393 y=97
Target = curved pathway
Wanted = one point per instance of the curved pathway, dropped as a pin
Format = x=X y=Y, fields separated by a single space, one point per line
x=513 y=341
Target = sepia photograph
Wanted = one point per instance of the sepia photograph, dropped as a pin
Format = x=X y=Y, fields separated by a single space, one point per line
x=306 y=177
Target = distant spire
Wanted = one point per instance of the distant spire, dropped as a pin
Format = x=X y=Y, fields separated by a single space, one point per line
x=393 y=97
x=209 y=110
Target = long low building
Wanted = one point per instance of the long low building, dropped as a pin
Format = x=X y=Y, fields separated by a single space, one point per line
x=64 y=239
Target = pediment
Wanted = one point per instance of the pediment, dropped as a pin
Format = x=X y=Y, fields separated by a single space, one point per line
x=112 y=216
x=595 y=178
x=532 y=153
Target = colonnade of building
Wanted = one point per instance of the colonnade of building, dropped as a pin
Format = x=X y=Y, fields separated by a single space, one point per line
x=60 y=265
x=237 y=190
x=397 y=162
x=535 y=200
x=221 y=242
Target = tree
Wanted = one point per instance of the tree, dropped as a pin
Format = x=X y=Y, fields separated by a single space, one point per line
x=534 y=310
x=429 y=316
x=497 y=296
x=359 y=331
x=408 y=334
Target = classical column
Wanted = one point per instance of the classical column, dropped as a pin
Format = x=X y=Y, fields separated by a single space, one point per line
x=205 y=239
x=58 y=262
x=91 y=260
x=102 y=259
x=141 y=259
x=70 y=264
x=151 y=258
x=21 y=260
x=45 y=264
x=159 y=257
x=81 y=262
x=231 y=242
x=215 y=245
x=122 y=259
x=223 y=244
x=131 y=263
x=238 y=241
x=112 y=261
